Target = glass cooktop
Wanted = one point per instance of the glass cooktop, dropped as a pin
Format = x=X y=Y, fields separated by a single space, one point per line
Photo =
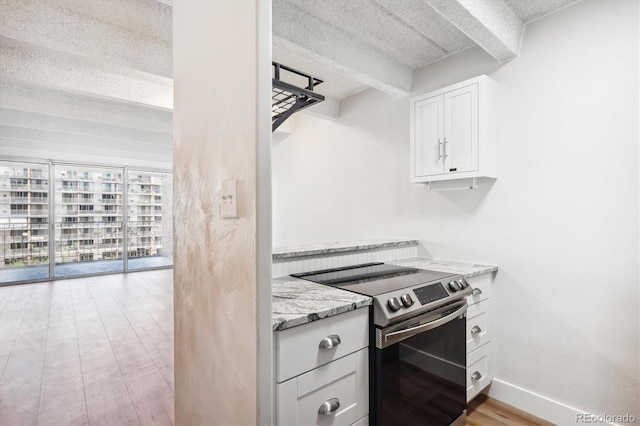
x=373 y=279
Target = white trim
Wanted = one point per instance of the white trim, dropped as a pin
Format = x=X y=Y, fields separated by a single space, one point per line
x=265 y=365
x=536 y=404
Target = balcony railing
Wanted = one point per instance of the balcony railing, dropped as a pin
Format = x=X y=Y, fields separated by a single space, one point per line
x=22 y=243
x=24 y=200
x=73 y=241
x=29 y=213
x=27 y=187
x=71 y=236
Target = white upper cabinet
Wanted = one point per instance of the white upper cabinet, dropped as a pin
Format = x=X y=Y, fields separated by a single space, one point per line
x=454 y=132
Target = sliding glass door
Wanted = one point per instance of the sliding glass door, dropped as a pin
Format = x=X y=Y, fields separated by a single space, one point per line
x=63 y=220
x=88 y=220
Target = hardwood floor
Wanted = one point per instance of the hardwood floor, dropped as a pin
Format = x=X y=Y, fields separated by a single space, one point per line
x=88 y=351
x=485 y=411
x=99 y=351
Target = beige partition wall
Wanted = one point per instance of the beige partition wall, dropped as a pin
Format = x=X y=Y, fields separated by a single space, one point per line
x=222 y=264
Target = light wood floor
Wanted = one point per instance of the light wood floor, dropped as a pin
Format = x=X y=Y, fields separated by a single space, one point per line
x=99 y=351
x=88 y=351
x=485 y=411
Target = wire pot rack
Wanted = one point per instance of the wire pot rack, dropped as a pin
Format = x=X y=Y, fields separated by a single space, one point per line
x=287 y=98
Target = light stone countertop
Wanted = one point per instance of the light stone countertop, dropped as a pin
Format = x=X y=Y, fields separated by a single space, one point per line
x=280 y=253
x=297 y=302
x=466 y=269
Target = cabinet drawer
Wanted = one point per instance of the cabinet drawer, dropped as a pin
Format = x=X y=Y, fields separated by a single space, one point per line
x=298 y=348
x=482 y=288
x=478 y=325
x=342 y=383
x=478 y=362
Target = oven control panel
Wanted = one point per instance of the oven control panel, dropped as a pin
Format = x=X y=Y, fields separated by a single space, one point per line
x=401 y=304
x=430 y=293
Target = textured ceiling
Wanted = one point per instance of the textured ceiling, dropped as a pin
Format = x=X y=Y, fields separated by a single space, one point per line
x=357 y=44
x=90 y=67
x=528 y=10
x=87 y=77
x=409 y=32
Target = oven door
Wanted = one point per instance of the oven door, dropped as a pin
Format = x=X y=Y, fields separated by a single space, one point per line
x=419 y=370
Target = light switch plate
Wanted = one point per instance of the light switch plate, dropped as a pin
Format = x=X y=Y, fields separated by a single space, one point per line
x=230 y=198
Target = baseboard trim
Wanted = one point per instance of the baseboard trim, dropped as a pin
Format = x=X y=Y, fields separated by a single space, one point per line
x=536 y=404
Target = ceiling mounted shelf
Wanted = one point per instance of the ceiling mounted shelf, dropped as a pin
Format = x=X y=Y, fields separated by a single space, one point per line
x=287 y=98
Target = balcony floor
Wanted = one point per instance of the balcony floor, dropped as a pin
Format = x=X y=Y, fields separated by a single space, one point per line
x=39 y=272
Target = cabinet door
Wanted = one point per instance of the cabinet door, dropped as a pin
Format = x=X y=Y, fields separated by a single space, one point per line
x=344 y=382
x=461 y=130
x=427 y=137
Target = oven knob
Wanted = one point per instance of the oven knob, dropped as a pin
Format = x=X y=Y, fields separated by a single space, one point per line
x=406 y=300
x=463 y=283
x=394 y=304
x=454 y=286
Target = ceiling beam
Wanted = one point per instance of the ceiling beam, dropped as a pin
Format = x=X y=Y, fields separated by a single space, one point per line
x=36 y=65
x=95 y=154
x=74 y=126
x=314 y=40
x=68 y=104
x=84 y=142
x=491 y=24
x=51 y=25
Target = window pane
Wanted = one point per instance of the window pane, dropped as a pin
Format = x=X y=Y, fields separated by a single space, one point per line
x=88 y=228
x=150 y=219
x=24 y=217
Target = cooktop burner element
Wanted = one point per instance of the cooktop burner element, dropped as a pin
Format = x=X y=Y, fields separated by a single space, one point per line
x=395 y=289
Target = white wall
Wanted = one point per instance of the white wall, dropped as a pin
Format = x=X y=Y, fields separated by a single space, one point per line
x=338 y=180
x=561 y=221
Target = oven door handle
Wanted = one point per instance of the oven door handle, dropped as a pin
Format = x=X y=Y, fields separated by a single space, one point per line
x=390 y=338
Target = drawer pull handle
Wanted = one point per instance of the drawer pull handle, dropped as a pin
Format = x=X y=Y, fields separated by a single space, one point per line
x=475 y=329
x=476 y=291
x=329 y=407
x=474 y=377
x=329 y=342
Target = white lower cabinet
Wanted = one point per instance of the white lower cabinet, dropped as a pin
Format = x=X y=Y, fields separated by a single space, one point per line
x=299 y=348
x=334 y=394
x=480 y=327
x=330 y=387
x=479 y=374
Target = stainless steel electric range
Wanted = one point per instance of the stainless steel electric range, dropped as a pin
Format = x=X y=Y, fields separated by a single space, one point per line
x=417 y=341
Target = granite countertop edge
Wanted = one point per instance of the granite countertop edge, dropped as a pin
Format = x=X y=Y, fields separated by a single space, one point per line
x=279 y=324
x=297 y=302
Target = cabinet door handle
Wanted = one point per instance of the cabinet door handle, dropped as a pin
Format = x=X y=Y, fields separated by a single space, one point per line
x=475 y=329
x=474 y=377
x=439 y=145
x=476 y=291
x=329 y=342
x=329 y=407
x=444 y=145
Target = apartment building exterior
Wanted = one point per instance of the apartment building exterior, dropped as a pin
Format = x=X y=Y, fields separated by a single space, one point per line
x=24 y=215
x=87 y=214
